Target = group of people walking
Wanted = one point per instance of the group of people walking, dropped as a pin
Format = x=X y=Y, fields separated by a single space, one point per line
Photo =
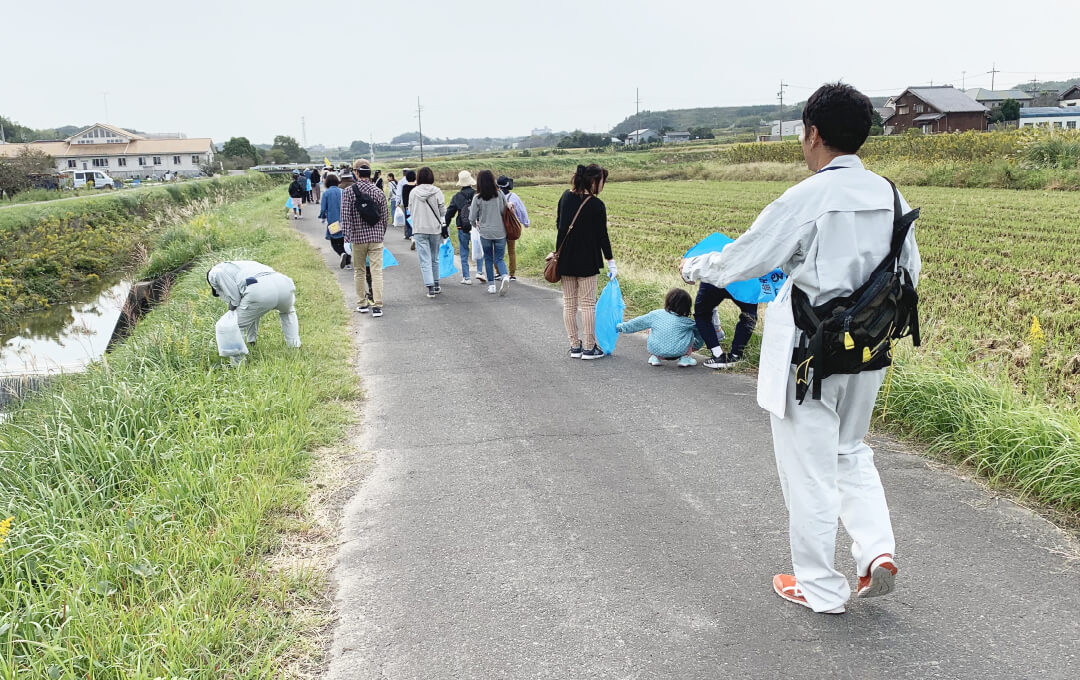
x=830 y=234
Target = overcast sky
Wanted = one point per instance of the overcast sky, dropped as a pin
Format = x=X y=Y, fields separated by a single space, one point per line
x=226 y=68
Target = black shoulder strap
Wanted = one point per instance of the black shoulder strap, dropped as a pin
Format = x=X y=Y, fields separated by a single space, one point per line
x=901 y=224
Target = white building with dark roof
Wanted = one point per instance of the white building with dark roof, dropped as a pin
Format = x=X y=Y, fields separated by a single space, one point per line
x=1053 y=117
x=122 y=153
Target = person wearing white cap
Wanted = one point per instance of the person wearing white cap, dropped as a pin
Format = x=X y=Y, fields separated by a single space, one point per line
x=459 y=207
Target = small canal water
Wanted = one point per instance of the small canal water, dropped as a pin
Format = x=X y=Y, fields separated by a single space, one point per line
x=62 y=339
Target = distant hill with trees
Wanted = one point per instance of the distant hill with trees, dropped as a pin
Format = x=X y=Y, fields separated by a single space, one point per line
x=1047 y=85
x=713 y=117
x=13 y=132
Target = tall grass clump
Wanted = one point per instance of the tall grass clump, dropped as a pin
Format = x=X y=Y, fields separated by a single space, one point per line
x=1012 y=441
x=146 y=492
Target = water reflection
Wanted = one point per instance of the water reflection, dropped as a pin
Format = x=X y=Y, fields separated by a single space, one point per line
x=64 y=338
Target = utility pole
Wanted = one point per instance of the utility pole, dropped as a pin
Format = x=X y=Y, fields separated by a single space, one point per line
x=780 y=94
x=963 y=80
x=993 y=72
x=420 y=124
x=637 y=114
x=372 y=145
x=105 y=98
x=303 y=131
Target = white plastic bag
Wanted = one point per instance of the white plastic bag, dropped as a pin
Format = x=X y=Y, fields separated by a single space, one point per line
x=348 y=248
x=475 y=247
x=230 y=340
x=399 y=217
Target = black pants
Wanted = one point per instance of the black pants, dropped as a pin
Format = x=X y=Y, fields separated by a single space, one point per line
x=338 y=244
x=709 y=298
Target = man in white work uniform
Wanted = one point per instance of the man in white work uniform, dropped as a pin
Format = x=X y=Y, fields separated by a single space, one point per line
x=253 y=289
x=828 y=233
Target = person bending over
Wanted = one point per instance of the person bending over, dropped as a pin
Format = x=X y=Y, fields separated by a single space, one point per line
x=253 y=289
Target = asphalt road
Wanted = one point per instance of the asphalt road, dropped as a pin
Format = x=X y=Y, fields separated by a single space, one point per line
x=533 y=516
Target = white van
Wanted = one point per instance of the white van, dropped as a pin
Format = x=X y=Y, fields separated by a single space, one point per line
x=79 y=179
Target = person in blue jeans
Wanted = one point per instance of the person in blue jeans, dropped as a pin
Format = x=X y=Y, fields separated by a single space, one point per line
x=426 y=207
x=486 y=216
x=459 y=207
x=708 y=299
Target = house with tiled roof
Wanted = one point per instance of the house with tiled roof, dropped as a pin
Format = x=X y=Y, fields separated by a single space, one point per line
x=1070 y=97
x=121 y=153
x=993 y=98
x=940 y=108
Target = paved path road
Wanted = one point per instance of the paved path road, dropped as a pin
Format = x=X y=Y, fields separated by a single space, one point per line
x=533 y=516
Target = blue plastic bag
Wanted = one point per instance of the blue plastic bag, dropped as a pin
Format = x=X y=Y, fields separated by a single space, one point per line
x=751 y=291
x=609 y=314
x=288 y=204
x=388 y=259
x=447 y=267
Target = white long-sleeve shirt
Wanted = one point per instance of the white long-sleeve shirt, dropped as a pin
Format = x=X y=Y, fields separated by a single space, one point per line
x=827 y=233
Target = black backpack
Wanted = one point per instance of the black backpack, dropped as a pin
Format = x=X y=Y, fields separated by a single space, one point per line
x=463 y=213
x=366 y=207
x=855 y=333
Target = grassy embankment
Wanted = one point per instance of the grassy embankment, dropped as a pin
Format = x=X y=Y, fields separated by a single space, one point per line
x=55 y=252
x=39 y=195
x=983 y=389
x=148 y=492
x=1006 y=160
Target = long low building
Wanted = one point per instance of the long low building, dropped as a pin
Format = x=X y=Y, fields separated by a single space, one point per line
x=1062 y=118
x=120 y=153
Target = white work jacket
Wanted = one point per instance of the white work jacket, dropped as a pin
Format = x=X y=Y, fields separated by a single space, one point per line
x=827 y=233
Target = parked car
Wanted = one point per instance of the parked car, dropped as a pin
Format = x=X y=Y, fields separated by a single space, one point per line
x=80 y=178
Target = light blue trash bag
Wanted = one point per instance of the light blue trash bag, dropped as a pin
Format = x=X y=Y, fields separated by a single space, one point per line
x=388 y=259
x=609 y=314
x=750 y=291
x=447 y=268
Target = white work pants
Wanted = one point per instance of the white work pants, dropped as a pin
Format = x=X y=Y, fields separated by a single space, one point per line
x=827 y=472
x=270 y=292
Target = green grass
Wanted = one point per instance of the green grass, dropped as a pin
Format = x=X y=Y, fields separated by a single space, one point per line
x=147 y=492
x=55 y=252
x=993 y=261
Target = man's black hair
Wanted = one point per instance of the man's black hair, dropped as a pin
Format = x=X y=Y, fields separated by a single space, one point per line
x=841 y=114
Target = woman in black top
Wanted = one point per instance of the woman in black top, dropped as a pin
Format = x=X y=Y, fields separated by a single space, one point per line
x=584 y=249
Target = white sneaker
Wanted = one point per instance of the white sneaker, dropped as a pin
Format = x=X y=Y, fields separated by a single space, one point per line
x=654 y=360
x=466 y=282
x=481 y=278
x=491 y=289
x=504 y=285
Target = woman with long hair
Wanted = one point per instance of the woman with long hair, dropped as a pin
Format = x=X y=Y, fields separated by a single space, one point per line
x=486 y=216
x=583 y=245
